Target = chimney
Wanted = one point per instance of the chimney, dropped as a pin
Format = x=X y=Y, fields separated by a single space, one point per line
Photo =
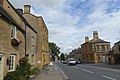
x=86 y=39
x=95 y=35
x=20 y=11
x=27 y=9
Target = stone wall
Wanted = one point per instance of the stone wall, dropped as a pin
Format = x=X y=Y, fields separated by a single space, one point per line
x=5 y=44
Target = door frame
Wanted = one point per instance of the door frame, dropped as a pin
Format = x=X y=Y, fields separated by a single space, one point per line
x=103 y=58
x=2 y=66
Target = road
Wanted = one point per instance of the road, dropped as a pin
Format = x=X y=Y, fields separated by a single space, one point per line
x=87 y=72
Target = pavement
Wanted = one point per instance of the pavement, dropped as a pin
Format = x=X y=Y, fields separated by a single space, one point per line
x=55 y=72
x=52 y=72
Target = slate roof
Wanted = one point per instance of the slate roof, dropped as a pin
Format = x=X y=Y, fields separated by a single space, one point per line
x=5 y=15
x=117 y=42
x=98 y=41
x=24 y=20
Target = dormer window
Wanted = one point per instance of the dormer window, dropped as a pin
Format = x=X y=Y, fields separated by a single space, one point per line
x=13 y=32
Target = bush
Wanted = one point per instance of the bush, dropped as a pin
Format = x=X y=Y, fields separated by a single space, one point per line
x=24 y=68
x=34 y=71
x=11 y=76
x=23 y=71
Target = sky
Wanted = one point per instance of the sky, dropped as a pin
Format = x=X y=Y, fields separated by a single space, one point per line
x=69 y=21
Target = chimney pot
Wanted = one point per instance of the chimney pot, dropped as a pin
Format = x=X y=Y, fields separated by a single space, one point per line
x=86 y=39
x=27 y=9
x=20 y=11
x=95 y=35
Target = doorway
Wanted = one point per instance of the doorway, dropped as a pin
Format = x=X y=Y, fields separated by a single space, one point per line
x=1 y=66
x=103 y=59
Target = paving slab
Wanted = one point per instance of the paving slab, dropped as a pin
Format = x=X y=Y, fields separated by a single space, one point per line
x=50 y=73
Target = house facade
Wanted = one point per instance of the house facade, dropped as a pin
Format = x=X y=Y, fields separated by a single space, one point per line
x=22 y=34
x=95 y=50
x=12 y=38
x=42 y=48
x=114 y=55
x=20 y=38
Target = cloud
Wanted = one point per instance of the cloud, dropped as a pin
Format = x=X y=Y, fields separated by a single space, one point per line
x=38 y=3
x=69 y=21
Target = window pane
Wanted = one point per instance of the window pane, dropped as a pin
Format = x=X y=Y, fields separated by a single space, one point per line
x=11 y=62
x=13 y=32
x=97 y=47
x=103 y=47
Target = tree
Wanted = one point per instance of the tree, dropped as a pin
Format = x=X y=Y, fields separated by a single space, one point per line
x=62 y=56
x=55 y=50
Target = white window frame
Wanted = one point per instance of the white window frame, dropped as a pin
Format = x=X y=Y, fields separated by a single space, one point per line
x=11 y=65
x=13 y=32
x=1 y=66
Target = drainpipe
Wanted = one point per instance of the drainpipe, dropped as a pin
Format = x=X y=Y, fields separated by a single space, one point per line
x=25 y=40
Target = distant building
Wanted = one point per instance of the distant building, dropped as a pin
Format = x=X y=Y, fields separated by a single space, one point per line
x=114 y=55
x=95 y=50
x=76 y=53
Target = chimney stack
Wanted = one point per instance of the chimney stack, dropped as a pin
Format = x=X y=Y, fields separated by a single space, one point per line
x=27 y=9
x=86 y=39
x=20 y=11
x=95 y=35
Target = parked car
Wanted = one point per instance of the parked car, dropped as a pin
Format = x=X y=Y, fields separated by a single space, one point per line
x=65 y=62
x=78 y=61
x=71 y=61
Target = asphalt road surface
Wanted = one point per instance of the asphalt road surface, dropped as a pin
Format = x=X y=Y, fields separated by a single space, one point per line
x=87 y=72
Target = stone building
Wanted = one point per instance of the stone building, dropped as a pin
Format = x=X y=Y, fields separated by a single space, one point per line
x=95 y=50
x=76 y=53
x=42 y=48
x=114 y=55
x=13 y=39
x=21 y=37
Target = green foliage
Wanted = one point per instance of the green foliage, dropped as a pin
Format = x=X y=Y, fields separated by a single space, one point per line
x=34 y=71
x=11 y=76
x=23 y=71
x=55 y=50
x=15 y=75
x=25 y=68
x=62 y=56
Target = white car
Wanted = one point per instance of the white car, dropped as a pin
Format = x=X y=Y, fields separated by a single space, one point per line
x=71 y=61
